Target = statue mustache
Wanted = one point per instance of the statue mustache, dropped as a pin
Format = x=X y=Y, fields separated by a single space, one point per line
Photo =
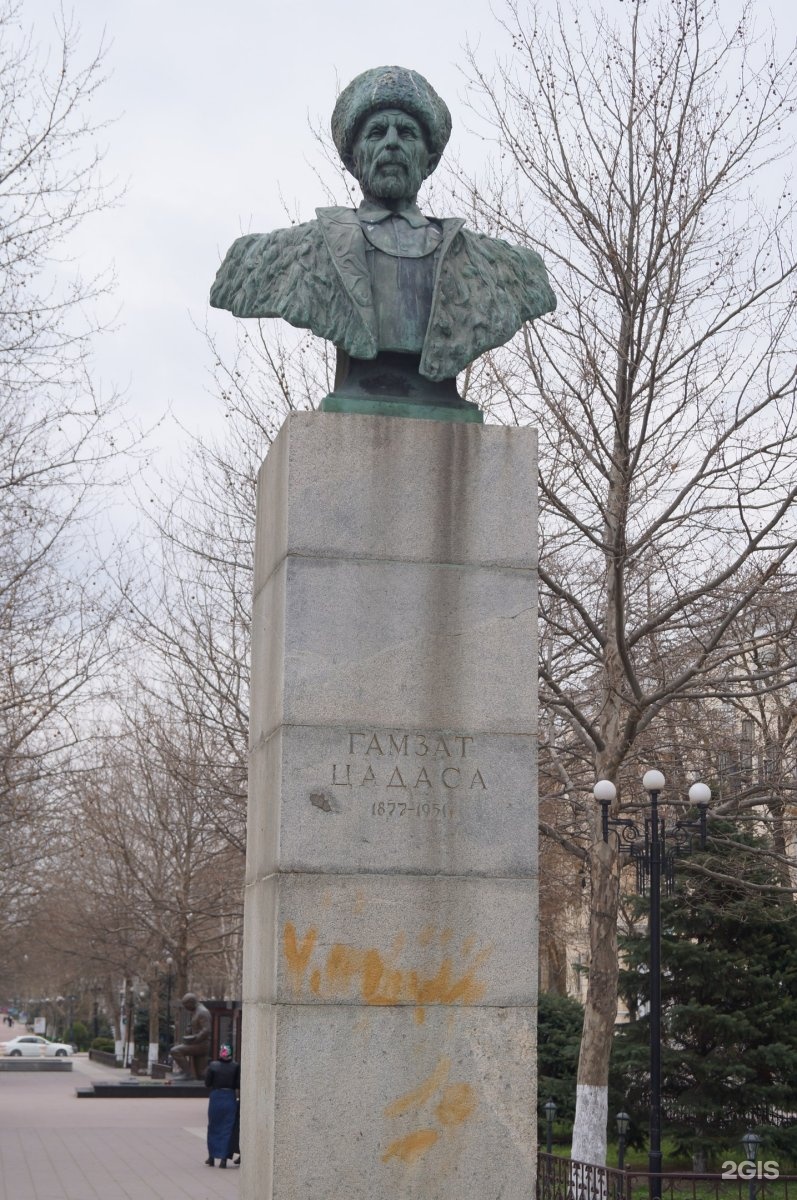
x=390 y=158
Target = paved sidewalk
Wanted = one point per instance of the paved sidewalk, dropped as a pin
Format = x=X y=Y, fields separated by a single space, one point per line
x=56 y=1147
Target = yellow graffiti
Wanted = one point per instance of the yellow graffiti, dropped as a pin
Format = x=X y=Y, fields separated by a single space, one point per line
x=455 y=1105
x=444 y=987
x=298 y=956
x=410 y=1148
x=422 y=1093
x=376 y=979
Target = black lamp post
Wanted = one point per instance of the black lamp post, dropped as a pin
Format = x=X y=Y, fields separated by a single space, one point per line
x=751 y=1141
x=623 y=1121
x=169 y=966
x=653 y=860
x=549 y=1108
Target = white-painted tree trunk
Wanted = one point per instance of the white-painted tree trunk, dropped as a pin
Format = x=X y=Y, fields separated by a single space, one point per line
x=589 y=1127
x=600 y=1011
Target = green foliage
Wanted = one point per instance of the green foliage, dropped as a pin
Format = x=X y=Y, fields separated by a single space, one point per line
x=729 y=1002
x=79 y=1034
x=560 y=1019
x=102 y=1043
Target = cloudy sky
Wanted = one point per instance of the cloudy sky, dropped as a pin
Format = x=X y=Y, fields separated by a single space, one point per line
x=212 y=99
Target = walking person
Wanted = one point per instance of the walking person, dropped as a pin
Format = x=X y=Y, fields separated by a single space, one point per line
x=223 y=1078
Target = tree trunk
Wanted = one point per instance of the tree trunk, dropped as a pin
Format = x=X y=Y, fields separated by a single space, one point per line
x=600 y=1012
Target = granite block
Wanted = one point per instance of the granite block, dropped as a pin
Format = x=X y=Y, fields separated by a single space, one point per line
x=396 y=644
x=373 y=1105
x=361 y=798
x=350 y=486
x=378 y=940
x=267 y=662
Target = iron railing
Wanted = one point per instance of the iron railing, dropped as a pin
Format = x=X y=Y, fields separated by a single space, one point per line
x=565 y=1179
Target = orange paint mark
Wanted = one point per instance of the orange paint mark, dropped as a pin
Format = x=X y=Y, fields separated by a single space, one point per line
x=445 y=988
x=298 y=956
x=342 y=965
x=373 y=968
x=468 y=946
x=349 y=970
x=446 y=936
x=426 y=936
x=420 y=1015
x=457 y=1104
x=422 y=1093
x=390 y=988
x=410 y=1148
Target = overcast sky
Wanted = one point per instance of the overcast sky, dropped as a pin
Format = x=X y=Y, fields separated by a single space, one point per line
x=212 y=99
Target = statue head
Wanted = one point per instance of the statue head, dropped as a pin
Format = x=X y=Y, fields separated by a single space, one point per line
x=189 y=1001
x=390 y=128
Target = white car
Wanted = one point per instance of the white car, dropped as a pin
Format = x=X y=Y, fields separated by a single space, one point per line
x=32 y=1046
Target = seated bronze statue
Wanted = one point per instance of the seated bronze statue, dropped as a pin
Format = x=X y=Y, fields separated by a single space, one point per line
x=190 y=1056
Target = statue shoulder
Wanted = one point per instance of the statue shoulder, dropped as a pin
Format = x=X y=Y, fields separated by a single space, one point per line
x=309 y=274
x=518 y=268
x=259 y=264
x=487 y=290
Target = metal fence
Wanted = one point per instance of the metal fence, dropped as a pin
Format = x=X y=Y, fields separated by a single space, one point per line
x=564 y=1179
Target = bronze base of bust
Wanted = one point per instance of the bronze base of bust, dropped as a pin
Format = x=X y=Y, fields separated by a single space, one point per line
x=390 y=385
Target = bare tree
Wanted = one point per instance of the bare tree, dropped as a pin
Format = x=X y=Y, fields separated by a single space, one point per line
x=641 y=157
x=57 y=433
x=150 y=877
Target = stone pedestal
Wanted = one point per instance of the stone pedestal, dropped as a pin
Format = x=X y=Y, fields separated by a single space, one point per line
x=390 y=962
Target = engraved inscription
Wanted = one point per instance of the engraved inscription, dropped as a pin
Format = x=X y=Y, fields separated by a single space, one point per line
x=386 y=808
x=432 y=770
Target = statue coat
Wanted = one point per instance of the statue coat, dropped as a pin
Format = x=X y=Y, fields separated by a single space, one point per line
x=315 y=276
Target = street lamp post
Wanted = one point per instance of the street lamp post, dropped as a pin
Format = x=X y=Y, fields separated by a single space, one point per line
x=169 y=966
x=652 y=857
x=549 y=1108
x=623 y=1121
x=653 y=782
x=751 y=1141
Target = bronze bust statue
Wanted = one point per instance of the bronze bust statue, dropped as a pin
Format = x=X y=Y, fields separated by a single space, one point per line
x=189 y=1057
x=408 y=300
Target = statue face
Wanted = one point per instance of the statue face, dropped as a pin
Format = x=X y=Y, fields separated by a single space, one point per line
x=391 y=159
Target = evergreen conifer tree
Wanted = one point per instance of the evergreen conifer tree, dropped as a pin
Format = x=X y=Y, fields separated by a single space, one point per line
x=729 y=1003
x=559 y=1022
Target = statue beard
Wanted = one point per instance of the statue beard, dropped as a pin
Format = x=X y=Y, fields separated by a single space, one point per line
x=389 y=176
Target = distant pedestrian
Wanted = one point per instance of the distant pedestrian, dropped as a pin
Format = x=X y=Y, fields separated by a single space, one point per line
x=223 y=1078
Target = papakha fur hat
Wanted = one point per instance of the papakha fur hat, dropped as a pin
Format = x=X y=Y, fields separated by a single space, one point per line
x=389 y=87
